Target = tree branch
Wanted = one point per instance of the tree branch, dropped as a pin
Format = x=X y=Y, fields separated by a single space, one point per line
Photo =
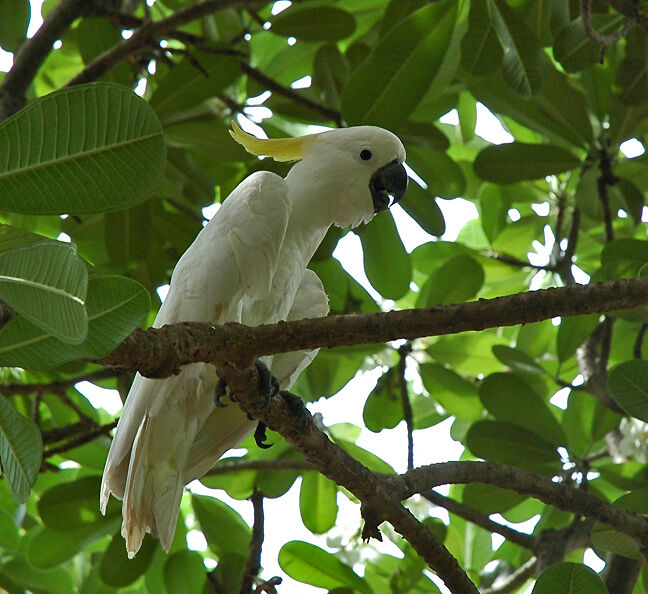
x=151 y=30
x=32 y=54
x=515 y=580
x=403 y=352
x=161 y=352
x=559 y=495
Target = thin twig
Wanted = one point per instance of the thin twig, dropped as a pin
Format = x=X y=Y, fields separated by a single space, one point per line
x=80 y=440
x=515 y=580
x=527 y=541
x=253 y=563
x=404 y=351
x=57 y=386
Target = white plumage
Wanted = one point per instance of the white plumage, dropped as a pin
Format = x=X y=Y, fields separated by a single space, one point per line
x=248 y=264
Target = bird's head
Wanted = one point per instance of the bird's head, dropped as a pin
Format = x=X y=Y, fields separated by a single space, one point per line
x=357 y=171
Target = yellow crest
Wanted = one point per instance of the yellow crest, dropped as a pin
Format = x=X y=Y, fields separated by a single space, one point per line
x=280 y=149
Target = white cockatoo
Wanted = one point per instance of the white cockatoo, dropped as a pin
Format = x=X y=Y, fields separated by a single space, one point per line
x=248 y=264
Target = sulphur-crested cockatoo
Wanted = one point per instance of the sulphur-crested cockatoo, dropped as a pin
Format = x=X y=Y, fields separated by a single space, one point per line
x=248 y=264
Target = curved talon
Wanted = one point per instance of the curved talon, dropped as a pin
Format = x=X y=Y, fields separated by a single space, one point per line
x=260 y=436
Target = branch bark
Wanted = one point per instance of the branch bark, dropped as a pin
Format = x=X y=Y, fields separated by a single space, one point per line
x=161 y=352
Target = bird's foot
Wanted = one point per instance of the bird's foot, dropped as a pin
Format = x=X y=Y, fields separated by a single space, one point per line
x=268 y=387
x=260 y=436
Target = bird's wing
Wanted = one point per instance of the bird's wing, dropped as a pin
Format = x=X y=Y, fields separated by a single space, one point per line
x=228 y=423
x=310 y=302
x=235 y=255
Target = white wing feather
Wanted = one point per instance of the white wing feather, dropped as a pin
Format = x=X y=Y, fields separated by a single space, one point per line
x=235 y=255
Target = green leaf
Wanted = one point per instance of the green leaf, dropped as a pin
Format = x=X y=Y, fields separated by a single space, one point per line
x=14 y=20
x=421 y=206
x=309 y=564
x=21 y=450
x=87 y=148
x=481 y=52
x=194 y=79
x=628 y=384
x=9 y=536
x=184 y=573
x=490 y=499
x=318 y=502
x=508 y=443
x=397 y=74
x=509 y=398
x=223 y=528
x=73 y=504
x=49 y=548
x=624 y=257
x=117 y=570
x=380 y=244
x=316 y=23
x=575 y=50
x=383 y=408
x=516 y=359
x=524 y=63
x=558 y=111
x=517 y=161
x=47 y=283
x=606 y=538
x=54 y=581
x=569 y=578
x=572 y=332
x=443 y=177
x=455 y=281
x=115 y=306
x=455 y=394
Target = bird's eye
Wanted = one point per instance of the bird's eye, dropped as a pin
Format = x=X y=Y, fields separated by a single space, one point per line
x=365 y=154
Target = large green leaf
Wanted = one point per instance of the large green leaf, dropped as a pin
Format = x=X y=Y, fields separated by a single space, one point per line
x=196 y=78
x=508 y=443
x=524 y=63
x=184 y=573
x=386 y=262
x=398 y=73
x=518 y=161
x=318 y=502
x=309 y=564
x=572 y=332
x=314 y=23
x=509 y=398
x=88 y=148
x=21 y=450
x=223 y=528
x=58 y=580
x=575 y=49
x=456 y=280
x=456 y=395
x=558 y=111
x=73 y=504
x=115 y=305
x=628 y=384
x=47 y=283
x=569 y=578
x=481 y=52
x=422 y=207
x=14 y=19
x=117 y=570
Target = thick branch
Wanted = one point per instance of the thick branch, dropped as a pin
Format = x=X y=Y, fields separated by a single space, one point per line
x=560 y=495
x=32 y=54
x=162 y=351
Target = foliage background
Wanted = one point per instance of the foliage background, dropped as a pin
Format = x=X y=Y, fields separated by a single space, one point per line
x=559 y=204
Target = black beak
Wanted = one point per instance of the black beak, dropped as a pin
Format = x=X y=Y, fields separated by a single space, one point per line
x=390 y=180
